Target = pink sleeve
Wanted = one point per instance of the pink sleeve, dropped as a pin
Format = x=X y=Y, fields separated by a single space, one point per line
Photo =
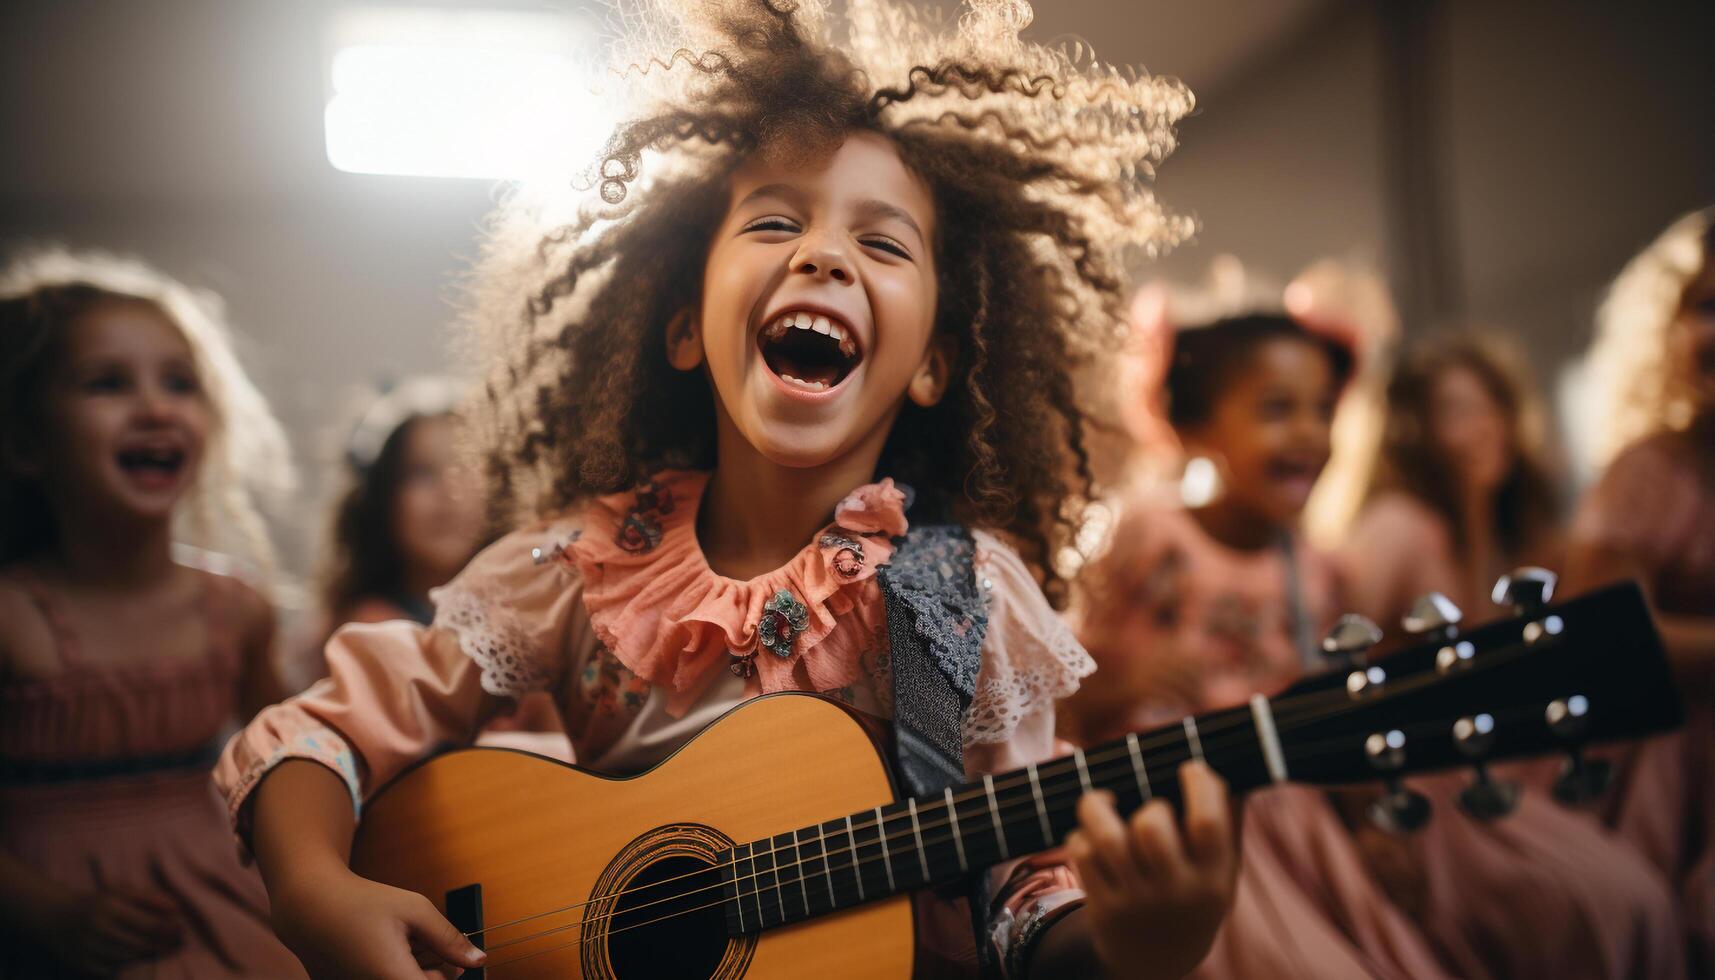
x=396 y=691
x=1030 y=661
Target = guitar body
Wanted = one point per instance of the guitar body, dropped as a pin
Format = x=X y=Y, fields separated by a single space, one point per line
x=538 y=835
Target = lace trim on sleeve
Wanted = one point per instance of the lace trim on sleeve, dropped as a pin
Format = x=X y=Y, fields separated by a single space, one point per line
x=496 y=639
x=1031 y=659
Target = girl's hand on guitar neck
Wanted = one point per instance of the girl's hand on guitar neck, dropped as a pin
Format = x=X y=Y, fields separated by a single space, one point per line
x=1156 y=896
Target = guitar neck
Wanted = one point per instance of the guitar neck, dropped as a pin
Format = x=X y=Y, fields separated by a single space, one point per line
x=928 y=841
x=1539 y=682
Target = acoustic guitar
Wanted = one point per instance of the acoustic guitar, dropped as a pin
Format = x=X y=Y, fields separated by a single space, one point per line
x=774 y=844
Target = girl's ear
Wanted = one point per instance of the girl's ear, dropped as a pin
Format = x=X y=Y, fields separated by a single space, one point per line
x=930 y=382
x=685 y=341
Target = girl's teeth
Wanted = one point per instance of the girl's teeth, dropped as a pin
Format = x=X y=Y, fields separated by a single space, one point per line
x=821 y=325
x=808 y=385
x=803 y=321
x=836 y=331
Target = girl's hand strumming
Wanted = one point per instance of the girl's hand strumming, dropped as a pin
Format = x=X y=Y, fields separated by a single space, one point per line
x=343 y=925
x=1156 y=896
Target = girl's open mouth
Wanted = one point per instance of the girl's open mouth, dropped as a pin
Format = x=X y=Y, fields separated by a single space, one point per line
x=158 y=466
x=809 y=350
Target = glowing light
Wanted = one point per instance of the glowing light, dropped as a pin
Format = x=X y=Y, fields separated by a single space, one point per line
x=462 y=93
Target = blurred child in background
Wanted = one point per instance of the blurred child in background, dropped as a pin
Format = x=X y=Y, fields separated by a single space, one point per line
x=1652 y=517
x=411 y=519
x=124 y=419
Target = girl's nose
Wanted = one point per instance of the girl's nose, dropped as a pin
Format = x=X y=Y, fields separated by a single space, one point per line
x=822 y=258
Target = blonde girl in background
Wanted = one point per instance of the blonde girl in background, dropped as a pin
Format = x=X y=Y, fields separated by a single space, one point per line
x=126 y=425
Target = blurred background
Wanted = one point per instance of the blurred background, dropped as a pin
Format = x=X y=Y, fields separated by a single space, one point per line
x=1497 y=161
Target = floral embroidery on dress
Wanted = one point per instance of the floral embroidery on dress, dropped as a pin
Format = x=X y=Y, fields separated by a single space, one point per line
x=640 y=532
x=848 y=560
x=559 y=553
x=490 y=634
x=783 y=619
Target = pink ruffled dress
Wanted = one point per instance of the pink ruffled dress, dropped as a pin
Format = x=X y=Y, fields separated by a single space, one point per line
x=104 y=783
x=1545 y=893
x=1656 y=505
x=616 y=612
x=1547 y=890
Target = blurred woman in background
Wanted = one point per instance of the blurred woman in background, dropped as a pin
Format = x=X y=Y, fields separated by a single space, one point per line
x=1463 y=491
x=1651 y=517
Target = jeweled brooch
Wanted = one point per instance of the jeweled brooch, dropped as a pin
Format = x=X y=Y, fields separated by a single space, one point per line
x=783 y=618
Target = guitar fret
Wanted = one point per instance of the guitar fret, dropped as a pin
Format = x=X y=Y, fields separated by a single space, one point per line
x=1138 y=770
x=1263 y=714
x=738 y=889
x=994 y=814
x=827 y=871
x=756 y=889
x=886 y=858
x=1083 y=770
x=779 y=891
x=958 y=840
x=917 y=832
x=857 y=873
x=1041 y=809
x=1192 y=738
x=798 y=861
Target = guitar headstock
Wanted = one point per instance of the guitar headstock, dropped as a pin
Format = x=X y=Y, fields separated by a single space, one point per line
x=1550 y=678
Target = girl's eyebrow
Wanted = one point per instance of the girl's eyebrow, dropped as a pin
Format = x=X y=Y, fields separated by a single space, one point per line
x=882 y=209
x=791 y=195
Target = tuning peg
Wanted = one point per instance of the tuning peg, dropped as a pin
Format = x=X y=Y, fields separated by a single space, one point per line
x=1401 y=810
x=1434 y=615
x=1350 y=639
x=1581 y=780
x=1525 y=589
x=1485 y=798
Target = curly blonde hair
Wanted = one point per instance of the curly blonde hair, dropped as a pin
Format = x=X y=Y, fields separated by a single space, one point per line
x=41 y=293
x=1634 y=385
x=1040 y=161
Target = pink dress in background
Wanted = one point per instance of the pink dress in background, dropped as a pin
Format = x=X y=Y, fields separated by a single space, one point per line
x=1547 y=890
x=615 y=611
x=1656 y=505
x=104 y=783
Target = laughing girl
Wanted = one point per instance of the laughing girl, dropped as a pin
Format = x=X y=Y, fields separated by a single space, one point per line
x=838 y=286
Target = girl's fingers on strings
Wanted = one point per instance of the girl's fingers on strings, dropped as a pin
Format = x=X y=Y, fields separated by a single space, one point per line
x=1208 y=816
x=1155 y=841
x=1103 y=836
x=1091 y=874
x=437 y=941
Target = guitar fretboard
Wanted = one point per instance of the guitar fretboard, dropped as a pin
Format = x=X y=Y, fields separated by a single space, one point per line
x=928 y=841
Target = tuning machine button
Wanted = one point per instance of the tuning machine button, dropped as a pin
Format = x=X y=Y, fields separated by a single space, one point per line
x=1400 y=809
x=1350 y=639
x=1581 y=780
x=1527 y=591
x=1485 y=798
x=1433 y=615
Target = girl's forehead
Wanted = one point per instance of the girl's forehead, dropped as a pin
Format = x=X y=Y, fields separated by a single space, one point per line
x=865 y=167
x=126 y=328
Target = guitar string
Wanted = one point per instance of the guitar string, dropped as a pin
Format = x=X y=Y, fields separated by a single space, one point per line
x=1060 y=798
x=1285 y=711
x=1335 y=746
x=1284 y=720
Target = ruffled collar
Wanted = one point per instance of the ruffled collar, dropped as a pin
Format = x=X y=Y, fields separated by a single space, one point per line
x=659 y=608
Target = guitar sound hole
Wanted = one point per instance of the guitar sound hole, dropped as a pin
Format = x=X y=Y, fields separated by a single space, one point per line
x=683 y=936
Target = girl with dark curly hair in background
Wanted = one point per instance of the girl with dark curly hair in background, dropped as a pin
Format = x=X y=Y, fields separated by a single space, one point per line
x=828 y=310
